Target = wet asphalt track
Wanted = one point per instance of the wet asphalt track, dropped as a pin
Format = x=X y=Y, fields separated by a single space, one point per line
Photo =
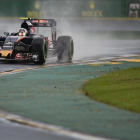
x=14 y=131
x=101 y=49
x=86 y=47
x=84 y=50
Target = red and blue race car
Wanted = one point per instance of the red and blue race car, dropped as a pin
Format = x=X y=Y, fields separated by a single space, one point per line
x=27 y=45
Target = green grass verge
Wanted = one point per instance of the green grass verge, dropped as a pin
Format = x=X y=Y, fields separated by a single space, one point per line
x=119 y=88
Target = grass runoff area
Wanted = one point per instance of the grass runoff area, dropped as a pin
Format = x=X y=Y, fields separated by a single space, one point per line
x=118 y=88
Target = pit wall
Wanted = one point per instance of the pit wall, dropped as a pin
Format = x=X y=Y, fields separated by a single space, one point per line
x=70 y=9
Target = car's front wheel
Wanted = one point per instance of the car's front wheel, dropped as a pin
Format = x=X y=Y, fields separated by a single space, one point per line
x=39 y=46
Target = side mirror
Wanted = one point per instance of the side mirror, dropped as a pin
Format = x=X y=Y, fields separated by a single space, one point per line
x=6 y=33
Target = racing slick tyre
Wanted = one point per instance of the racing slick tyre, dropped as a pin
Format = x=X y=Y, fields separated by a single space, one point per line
x=39 y=46
x=65 y=48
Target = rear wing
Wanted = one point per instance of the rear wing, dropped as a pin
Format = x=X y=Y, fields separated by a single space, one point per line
x=42 y=23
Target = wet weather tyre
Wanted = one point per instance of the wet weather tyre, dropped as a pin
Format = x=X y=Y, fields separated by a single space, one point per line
x=65 y=48
x=39 y=46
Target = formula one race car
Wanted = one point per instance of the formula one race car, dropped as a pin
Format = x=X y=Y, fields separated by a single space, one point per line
x=28 y=45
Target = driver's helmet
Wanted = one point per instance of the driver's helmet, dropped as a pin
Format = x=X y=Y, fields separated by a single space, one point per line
x=22 y=32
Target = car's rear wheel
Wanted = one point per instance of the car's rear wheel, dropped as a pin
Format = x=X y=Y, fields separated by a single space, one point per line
x=65 y=48
x=39 y=46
